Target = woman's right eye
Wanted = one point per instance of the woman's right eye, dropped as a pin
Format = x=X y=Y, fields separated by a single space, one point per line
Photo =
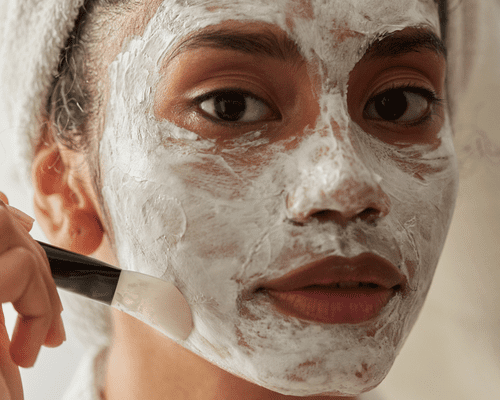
x=234 y=106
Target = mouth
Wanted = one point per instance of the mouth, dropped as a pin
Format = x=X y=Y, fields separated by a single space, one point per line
x=336 y=290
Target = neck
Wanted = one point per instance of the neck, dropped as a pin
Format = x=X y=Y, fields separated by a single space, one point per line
x=142 y=364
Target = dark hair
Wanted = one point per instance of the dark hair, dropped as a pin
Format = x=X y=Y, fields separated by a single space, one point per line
x=74 y=97
x=70 y=99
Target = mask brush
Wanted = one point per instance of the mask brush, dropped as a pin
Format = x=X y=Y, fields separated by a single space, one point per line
x=153 y=301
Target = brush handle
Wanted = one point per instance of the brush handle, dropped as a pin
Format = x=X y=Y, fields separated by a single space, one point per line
x=153 y=301
x=81 y=274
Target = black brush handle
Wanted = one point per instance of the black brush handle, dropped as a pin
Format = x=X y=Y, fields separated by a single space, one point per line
x=83 y=275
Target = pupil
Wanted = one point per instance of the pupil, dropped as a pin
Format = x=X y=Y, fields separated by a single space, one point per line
x=391 y=105
x=230 y=106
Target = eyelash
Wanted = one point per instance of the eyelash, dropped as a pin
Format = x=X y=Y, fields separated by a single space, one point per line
x=430 y=96
x=434 y=102
x=200 y=99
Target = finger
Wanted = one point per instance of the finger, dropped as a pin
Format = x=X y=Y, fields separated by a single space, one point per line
x=24 y=286
x=25 y=225
x=56 y=334
x=21 y=238
x=9 y=372
x=4 y=198
x=41 y=261
x=55 y=300
x=11 y=234
x=24 y=219
x=27 y=338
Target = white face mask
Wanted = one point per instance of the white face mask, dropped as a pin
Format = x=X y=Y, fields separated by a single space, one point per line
x=220 y=218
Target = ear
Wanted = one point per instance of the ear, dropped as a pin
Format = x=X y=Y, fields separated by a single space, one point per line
x=63 y=200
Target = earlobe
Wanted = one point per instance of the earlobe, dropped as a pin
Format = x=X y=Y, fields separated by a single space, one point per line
x=63 y=206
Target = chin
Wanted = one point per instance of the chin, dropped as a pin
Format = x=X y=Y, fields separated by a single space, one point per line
x=349 y=387
x=301 y=358
x=324 y=378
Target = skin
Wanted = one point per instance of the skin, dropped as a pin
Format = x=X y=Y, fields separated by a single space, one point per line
x=27 y=284
x=310 y=134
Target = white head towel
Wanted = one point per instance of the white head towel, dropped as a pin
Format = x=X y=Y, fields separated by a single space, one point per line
x=32 y=35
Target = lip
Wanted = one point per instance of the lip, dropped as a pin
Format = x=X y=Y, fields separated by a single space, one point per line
x=312 y=293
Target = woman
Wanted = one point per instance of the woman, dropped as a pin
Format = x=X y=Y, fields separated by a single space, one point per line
x=288 y=165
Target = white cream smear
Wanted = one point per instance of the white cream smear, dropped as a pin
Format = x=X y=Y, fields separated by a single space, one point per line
x=219 y=230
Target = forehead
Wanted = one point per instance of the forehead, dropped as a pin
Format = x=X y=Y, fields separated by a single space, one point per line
x=334 y=13
x=334 y=34
x=313 y=24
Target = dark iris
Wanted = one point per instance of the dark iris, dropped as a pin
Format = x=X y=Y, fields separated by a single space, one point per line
x=391 y=105
x=230 y=106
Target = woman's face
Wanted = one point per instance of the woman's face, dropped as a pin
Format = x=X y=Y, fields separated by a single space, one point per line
x=247 y=140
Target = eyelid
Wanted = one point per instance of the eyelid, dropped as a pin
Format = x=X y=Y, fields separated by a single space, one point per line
x=205 y=96
x=427 y=93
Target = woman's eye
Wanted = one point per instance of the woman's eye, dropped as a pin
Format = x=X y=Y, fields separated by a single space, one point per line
x=406 y=105
x=232 y=106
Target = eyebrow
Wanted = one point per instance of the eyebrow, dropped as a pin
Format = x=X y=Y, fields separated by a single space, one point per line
x=267 y=43
x=264 y=43
x=396 y=44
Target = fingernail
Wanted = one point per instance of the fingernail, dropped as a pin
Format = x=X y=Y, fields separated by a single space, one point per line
x=28 y=221
x=61 y=326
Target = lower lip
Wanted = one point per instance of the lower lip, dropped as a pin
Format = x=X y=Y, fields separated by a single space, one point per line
x=332 y=305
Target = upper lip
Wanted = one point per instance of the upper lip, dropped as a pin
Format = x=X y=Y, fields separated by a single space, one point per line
x=364 y=268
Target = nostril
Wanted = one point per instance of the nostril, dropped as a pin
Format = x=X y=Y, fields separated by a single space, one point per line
x=329 y=216
x=343 y=204
x=326 y=215
x=369 y=214
x=322 y=213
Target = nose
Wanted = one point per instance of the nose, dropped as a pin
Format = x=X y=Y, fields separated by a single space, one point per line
x=336 y=186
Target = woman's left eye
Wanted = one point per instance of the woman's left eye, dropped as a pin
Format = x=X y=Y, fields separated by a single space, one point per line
x=404 y=105
x=234 y=106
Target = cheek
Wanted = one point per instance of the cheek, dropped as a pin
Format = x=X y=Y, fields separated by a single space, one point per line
x=421 y=181
x=230 y=218
x=202 y=218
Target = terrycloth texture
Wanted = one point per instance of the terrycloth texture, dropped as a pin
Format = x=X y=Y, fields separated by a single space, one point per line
x=32 y=34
